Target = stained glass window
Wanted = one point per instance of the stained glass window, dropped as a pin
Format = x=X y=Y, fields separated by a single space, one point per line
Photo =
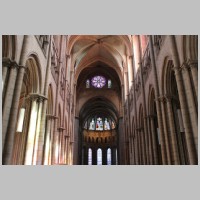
x=109 y=156
x=106 y=125
x=98 y=81
x=99 y=124
x=109 y=83
x=89 y=156
x=88 y=83
x=113 y=125
x=99 y=157
x=92 y=125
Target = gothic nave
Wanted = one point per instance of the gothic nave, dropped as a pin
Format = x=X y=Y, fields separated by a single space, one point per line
x=99 y=99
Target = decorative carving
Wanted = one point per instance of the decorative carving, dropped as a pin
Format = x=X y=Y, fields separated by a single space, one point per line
x=158 y=41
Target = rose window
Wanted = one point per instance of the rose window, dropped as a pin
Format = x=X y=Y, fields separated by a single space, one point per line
x=98 y=81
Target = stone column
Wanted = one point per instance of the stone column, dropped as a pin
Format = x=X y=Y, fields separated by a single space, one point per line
x=24 y=134
x=6 y=63
x=8 y=98
x=113 y=156
x=121 y=142
x=61 y=146
x=94 y=156
x=150 y=141
x=184 y=110
x=154 y=140
x=8 y=149
x=136 y=147
x=166 y=135
x=47 y=140
x=86 y=156
x=193 y=65
x=67 y=149
x=31 y=131
x=55 y=149
x=139 y=147
x=104 y=156
x=175 y=152
x=40 y=145
x=191 y=102
x=40 y=104
x=142 y=135
x=76 y=136
x=158 y=108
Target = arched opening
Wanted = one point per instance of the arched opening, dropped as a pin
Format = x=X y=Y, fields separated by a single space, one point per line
x=28 y=114
x=48 y=128
x=98 y=113
x=99 y=156
x=175 y=118
x=109 y=156
x=154 y=130
x=89 y=156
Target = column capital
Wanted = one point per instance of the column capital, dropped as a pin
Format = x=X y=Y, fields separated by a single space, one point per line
x=7 y=62
x=161 y=98
x=168 y=98
x=49 y=116
x=38 y=97
x=61 y=128
x=176 y=70
x=130 y=56
x=184 y=66
x=192 y=63
x=68 y=56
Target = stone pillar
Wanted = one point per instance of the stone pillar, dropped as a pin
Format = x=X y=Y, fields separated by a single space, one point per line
x=40 y=104
x=94 y=156
x=166 y=135
x=150 y=140
x=191 y=102
x=67 y=149
x=76 y=136
x=6 y=63
x=8 y=98
x=136 y=144
x=113 y=156
x=142 y=135
x=55 y=149
x=158 y=108
x=104 y=156
x=175 y=152
x=154 y=140
x=184 y=110
x=8 y=149
x=139 y=147
x=31 y=132
x=62 y=149
x=121 y=142
x=193 y=65
x=47 y=140
x=41 y=135
x=86 y=156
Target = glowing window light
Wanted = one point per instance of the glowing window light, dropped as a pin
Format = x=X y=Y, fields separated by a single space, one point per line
x=89 y=156
x=99 y=157
x=98 y=81
x=21 y=120
x=109 y=156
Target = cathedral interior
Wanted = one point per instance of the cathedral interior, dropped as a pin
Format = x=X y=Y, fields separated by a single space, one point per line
x=99 y=99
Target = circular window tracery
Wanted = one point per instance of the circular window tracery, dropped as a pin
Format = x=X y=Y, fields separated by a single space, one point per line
x=98 y=81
